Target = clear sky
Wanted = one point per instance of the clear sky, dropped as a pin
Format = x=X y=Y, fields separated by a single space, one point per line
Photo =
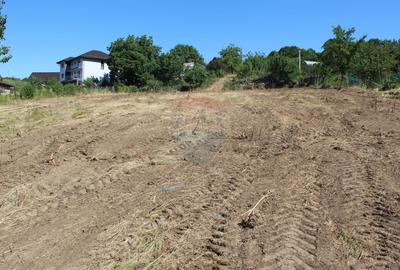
x=41 y=32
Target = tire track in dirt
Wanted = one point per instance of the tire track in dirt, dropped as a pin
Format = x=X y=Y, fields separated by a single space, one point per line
x=385 y=223
x=294 y=231
x=290 y=233
x=48 y=195
x=224 y=191
x=368 y=212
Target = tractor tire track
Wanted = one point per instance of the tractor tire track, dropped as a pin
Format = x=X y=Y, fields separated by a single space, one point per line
x=294 y=231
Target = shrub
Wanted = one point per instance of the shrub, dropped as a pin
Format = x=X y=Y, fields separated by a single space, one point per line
x=388 y=85
x=126 y=88
x=91 y=82
x=70 y=89
x=255 y=66
x=282 y=71
x=196 y=77
x=57 y=89
x=153 y=85
x=27 y=92
x=184 y=87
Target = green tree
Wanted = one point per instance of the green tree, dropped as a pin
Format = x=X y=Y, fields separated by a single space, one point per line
x=216 y=67
x=282 y=70
x=373 y=62
x=232 y=58
x=339 y=51
x=134 y=60
x=394 y=47
x=293 y=52
x=172 y=63
x=196 y=76
x=254 y=66
x=4 y=56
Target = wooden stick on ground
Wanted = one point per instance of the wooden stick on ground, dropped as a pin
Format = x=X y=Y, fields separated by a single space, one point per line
x=51 y=159
x=197 y=125
x=251 y=211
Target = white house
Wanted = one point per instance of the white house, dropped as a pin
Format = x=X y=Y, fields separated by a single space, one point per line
x=93 y=64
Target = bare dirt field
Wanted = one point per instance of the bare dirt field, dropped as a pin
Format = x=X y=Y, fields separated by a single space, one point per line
x=282 y=179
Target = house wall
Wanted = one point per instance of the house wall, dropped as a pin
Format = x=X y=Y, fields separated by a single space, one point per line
x=4 y=92
x=92 y=68
x=62 y=71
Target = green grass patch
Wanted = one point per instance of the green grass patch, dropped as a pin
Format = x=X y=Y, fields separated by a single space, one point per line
x=353 y=242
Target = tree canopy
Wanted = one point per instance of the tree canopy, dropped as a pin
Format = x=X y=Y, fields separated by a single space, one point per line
x=216 y=67
x=340 y=50
x=137 y=61
x=282 y=70
x=232 y=58
x=172 y=63
x=293 y=52
x=134 y=60
x=4 y=50
x=373 y=62
x=255 y=65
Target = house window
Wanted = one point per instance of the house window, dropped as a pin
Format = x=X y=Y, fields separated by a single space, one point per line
x=62 y=76
x=62 y=65
x=102 y=65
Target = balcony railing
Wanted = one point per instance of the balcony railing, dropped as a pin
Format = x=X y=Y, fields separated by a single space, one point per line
x=73 y=77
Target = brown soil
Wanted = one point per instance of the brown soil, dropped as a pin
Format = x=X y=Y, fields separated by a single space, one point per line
x=200 y=102
x=132 y=182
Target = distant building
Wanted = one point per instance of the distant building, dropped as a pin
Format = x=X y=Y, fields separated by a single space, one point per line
x=189 y=65
x=45 y=76
x=6 y=88
x=93 y=64
x=312 y=63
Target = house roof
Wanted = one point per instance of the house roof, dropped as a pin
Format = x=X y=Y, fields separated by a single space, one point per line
x=65 y=60
x=6 y=85
x=94 y=55
x=45 y=76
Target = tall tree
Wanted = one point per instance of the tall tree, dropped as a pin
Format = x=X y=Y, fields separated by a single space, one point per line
x=255 y=65
x=134 y=60
x=293 y=52
x=339 y=51
x=4 y=56
x=172 y=63
x=232 y=58
x=373 y=61
x=394 y=47
x=282 y=70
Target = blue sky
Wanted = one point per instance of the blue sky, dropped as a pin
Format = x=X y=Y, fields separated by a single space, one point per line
x=42 y=32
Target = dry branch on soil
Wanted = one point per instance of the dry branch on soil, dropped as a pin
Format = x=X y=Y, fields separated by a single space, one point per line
x=248 y=221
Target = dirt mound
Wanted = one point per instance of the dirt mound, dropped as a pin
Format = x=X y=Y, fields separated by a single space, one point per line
x=288 y=179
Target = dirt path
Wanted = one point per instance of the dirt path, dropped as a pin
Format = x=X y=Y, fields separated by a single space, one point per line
x=218 y=86
x=165 y=181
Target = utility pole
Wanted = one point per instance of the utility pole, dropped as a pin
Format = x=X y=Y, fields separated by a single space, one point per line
x=300 y=60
